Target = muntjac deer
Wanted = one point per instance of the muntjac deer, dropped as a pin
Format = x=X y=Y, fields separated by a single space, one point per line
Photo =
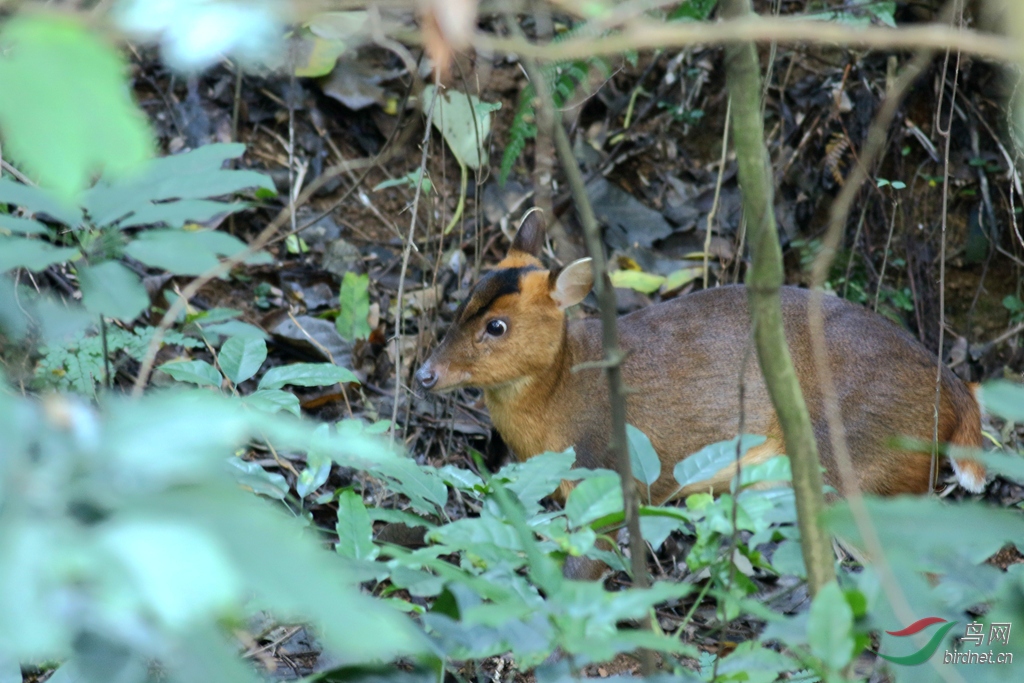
x=512 y=339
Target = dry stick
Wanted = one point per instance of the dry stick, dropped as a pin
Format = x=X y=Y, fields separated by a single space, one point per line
x=409 y=246
x=613 y=356
x=764 y=278
x=713 y=213
x=933 y=472
x=646 y=34
x=885 y=254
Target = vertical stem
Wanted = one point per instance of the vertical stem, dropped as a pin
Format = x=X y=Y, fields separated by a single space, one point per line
x=763 y=281
x=605 y=293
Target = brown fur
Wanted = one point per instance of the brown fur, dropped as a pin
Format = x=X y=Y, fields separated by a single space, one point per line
x=682 y=367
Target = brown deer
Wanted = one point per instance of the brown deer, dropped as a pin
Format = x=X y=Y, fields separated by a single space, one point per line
x=512 y=339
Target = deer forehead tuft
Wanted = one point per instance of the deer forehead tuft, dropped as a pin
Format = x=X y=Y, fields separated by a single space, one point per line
x=490 y=288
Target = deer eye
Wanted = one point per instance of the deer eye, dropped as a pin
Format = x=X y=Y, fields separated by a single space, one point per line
x=496 y=327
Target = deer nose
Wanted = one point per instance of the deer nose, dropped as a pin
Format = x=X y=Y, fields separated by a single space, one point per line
x=427 y=376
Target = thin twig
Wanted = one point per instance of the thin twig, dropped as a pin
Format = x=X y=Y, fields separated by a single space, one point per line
x=713 y=213
x=413 y=214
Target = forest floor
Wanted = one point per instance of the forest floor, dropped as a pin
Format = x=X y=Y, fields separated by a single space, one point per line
x=649 y=136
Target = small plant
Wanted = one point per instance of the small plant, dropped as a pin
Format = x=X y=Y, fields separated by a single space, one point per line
x=1015 y=306
x=78 y=364
x=114 y=220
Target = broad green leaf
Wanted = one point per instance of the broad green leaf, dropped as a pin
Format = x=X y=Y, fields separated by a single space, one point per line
x=233 y=328
x=1002 y=398
x=112 y=290
x=537 y=477
x=656 y=529
x=355 y=532
x=706 y=462
x=66 y=109
x=241 y=357
x=194 y=175
x=752 y=662
x=462 y=479
x=166 y=560
x=968 y=530
x=468 y=532
x=23 y=226
x=21 y=252
x=464 y=121
x=175 y=251
x=352 y=322
x=775 y=469
x=680 y=278
x=252 y=476
x=636 y=279
x=594 y=498
x=423 y=486
x=37 y=200
x=788 y=559
x=306 y=375
x=294 y=574
x=644 y=460
x=177 y=214
x=830 y=627
x=273 y=400
x=197 y=372
x=318 y=464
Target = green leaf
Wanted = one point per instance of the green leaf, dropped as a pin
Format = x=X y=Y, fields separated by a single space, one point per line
x=464 y=121
x=355 y=532
x=193 y=371
x=23 y=226
x=644 y=460
x=166 y=560
x=971 y=531
x=21 y=252
x=637 y=280
x=706 y=462
x=177 y=214
x=273 y=401
x=112 y=290
x=37 y=200
x=352 y=322
x=306 y=375
x=594 y=498
x=680 y=278
x=775 y=469
x=194 y=175
x=472 y=531
x=830 y=627
x=241 y=357
x=537 y=477
x=423 y=486
x=1002 y=398
x=175 y=251
x=318 y=464
x=252 y=476
x=66 y=110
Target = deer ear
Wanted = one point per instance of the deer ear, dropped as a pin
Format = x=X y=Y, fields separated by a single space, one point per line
x=572 y=284
x=530 y=237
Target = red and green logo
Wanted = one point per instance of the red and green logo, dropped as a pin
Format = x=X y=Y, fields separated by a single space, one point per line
x=922 y=655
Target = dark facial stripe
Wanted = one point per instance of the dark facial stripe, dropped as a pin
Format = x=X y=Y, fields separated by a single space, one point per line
x=495 y=284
